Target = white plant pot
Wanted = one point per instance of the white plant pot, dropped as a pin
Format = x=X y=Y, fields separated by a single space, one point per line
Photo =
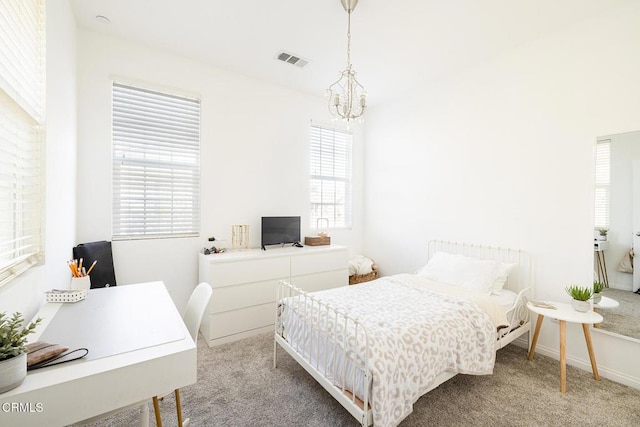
x=597 y=297
x=12 y=372
x=581 y=306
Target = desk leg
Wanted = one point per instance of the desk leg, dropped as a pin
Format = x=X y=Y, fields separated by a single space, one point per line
x=535 y=336
x=563 y=356
x=587 y=338
x=156 y=410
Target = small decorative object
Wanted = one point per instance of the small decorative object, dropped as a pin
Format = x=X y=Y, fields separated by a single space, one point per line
x=581 y=296
x=63 y=295
x=13 y=355
x=602 y=233
x=212 y=249
x=597 y=289
x=240 y=236
x=322 y=224
x=543 y=304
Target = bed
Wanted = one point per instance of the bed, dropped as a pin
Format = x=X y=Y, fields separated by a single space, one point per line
x=378 y=346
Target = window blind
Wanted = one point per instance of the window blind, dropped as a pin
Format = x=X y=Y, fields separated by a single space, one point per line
x=330 y=177
x=22 y=81
x=156 y=164
x=603 y=181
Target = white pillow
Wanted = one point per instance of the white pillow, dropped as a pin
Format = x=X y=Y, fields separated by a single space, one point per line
x=503 y=270
x=484 y=276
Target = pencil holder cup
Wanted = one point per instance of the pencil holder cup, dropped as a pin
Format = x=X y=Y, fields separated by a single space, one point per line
x=83 y=282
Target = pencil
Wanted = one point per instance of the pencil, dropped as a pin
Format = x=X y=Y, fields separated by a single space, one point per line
x=91 y=268
x=73 y=268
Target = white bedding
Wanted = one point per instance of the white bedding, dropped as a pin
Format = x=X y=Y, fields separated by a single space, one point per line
x=416 y=332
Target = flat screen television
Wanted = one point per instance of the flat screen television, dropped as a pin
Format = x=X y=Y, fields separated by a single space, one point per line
x=280 y=230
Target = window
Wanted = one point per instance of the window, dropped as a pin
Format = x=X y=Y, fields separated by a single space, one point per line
x=603 y=180
x=22 y=111
x=156 y=164
x=330 y=178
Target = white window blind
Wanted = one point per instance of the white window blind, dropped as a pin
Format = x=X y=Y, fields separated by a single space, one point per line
x=330 y=178
x=156 y=164
x=22 y=82
x=603 y=180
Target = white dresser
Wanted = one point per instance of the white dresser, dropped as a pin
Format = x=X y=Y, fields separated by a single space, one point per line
x=245 y=282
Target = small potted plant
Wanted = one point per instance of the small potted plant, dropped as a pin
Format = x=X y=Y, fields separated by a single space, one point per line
x=13 y=355
x=581 y=296
x=602 y=233
x=597 y=289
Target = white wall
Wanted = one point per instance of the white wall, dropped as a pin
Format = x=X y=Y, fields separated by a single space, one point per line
x=503 y=154
x=254 y=153
x=26 y=293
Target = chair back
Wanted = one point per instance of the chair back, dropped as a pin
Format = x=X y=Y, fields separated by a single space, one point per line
x=103 y=273
x=198 y=302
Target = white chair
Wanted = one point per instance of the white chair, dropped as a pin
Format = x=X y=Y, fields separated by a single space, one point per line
x=198 y=302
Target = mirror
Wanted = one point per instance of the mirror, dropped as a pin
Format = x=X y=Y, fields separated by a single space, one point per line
x=617 y=210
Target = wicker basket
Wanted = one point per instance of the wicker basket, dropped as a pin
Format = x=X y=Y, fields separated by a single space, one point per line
x=361 y=278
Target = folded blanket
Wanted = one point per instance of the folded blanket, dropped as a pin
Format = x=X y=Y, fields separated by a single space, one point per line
x=359 y=264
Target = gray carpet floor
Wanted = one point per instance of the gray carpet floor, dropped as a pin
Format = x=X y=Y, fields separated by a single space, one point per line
x=237 y=386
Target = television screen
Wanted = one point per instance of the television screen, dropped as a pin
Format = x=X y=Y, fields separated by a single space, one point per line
x=278 y=230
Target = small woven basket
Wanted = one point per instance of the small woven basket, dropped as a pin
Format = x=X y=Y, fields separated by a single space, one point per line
x=361 y=278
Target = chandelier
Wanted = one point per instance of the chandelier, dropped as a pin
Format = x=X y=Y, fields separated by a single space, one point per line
x=347 y=97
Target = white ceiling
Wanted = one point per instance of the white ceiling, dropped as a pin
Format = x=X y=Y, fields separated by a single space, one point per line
x=395 y=44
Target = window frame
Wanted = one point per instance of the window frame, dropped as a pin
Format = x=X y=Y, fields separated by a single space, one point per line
x=341 y=173
x=22 y=136
x=159 y=150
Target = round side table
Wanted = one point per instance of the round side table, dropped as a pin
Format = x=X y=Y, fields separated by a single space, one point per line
x=565 y=313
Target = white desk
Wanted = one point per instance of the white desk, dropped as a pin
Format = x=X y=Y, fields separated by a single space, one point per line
x=565 y=313
x=138 y=347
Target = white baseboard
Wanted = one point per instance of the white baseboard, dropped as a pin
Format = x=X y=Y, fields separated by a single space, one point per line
x=585 y=365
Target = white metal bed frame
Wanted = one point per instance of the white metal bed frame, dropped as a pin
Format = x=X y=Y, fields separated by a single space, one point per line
x=520 y=281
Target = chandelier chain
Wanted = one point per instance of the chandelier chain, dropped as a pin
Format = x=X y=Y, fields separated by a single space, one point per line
x=347 y=97
x=349 y=38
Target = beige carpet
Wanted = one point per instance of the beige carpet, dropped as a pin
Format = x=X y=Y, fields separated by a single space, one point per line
x=237 y=386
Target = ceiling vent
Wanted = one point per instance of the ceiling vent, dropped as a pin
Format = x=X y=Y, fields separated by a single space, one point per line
x=292 y=59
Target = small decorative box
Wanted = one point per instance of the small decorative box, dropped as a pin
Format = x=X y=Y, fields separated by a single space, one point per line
x=62 y=295
x=317 y=241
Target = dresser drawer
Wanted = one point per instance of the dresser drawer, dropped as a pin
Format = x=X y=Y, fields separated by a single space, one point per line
x=316 y=262
x=247 y=271
x=243 y=320
x=322 y=281
x=227 y=298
